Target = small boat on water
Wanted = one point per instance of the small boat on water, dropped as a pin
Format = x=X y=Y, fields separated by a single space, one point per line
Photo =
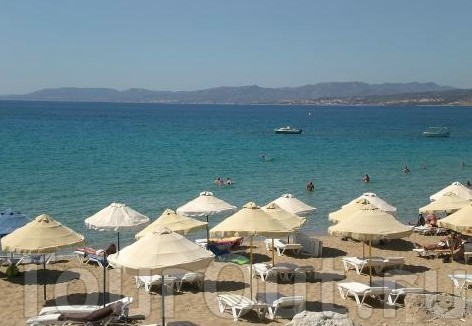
x=288 y=130
x=436 y=132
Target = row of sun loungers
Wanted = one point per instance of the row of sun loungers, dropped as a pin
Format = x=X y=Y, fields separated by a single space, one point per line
x=378 y=264
x=361 y=291
x=17 y=259
x=263 y=305
x=82 y=314
x=284 y=271
x=170 y=281
x=281 y=246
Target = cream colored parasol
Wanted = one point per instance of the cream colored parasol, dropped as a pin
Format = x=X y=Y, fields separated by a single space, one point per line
x=348 y=209
x=116 y=217
x=449 y=202
x=40 y=236
x=162 y=252
x=369 y=224
x=457 y=188
x=175 y=222
x=377 y=202
x=204 y=205
x=460 y=221
x=251 y=221
x=293 y=205
x=290 y=220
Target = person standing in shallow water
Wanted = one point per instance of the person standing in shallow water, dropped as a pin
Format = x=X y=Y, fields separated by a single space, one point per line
x=366 y=178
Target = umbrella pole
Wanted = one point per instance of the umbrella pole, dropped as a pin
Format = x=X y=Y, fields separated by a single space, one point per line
x=104 y=283
x=163 y=292
x=273 y=253
x=250 y=267
x=118 y=240
x=370 y=263
x=44 y=275
x=363 y=250
x=208 y=233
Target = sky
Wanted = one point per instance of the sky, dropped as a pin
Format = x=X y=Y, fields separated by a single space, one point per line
x=191 y=45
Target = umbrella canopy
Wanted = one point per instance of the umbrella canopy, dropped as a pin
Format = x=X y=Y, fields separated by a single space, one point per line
x=377 y=202
x=370 y=223
x=293 y=205
x=457 y=188
x=175 y=222
x=42 y=235
x=291 y=221
x=448 y=202
x=115 y=217
x=347 y=210
x=459 y=221
x=11 y=220
x=159 y=252
x=251 y=220
x=206 y=204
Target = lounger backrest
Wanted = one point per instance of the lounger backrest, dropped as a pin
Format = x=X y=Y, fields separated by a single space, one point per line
x=467 y=246
x=289 y=301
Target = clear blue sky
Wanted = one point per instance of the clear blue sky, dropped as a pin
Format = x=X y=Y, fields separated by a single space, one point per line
x=197 y=44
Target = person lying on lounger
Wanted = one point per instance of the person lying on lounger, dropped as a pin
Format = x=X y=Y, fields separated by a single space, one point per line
x=454 y=239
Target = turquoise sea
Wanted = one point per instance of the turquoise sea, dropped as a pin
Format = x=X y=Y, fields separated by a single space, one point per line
x=70 y=160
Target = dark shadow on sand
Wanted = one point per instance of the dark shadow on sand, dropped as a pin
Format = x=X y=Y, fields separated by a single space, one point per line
x=42 y=276
x=394 y=244
x=323 y=306
x=224 y=286
x=256 y=257
x=329 y=252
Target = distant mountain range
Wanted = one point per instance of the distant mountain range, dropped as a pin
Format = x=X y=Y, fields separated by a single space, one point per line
x=322 y=94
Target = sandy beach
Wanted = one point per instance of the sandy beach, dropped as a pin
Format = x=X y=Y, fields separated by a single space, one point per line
x=73 y=282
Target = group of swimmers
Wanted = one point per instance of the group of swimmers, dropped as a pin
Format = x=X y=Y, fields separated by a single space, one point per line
x=220 y=182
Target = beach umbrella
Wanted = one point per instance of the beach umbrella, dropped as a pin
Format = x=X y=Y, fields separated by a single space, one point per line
x=459 y=221
x=11 y=220
x=293 y=205
x=347 y=210
x=377 y=202
x=449 y=202
x=173 y=221
x=250 y=221
x=116 y=217
x=40 y=236
x=204 y=205
x=290 y=220
x=370 y=224
x=457 y=188
x=161 y=252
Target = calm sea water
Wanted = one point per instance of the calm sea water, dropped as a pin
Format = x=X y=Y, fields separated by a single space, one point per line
x=70 y=160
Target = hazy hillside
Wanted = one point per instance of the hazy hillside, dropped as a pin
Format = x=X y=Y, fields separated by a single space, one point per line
x=240 y=95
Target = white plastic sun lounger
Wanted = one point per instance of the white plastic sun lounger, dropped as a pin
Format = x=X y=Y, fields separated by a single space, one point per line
x=126 y=301
x=360 y=291
x=461 y=281
x=101 y=316
x=240 y=305
x=281 y=246
x=359 y=264
x=397 y=293
x=296 y=303
x=191 y=278
x=266 y=271
x=148 y=281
